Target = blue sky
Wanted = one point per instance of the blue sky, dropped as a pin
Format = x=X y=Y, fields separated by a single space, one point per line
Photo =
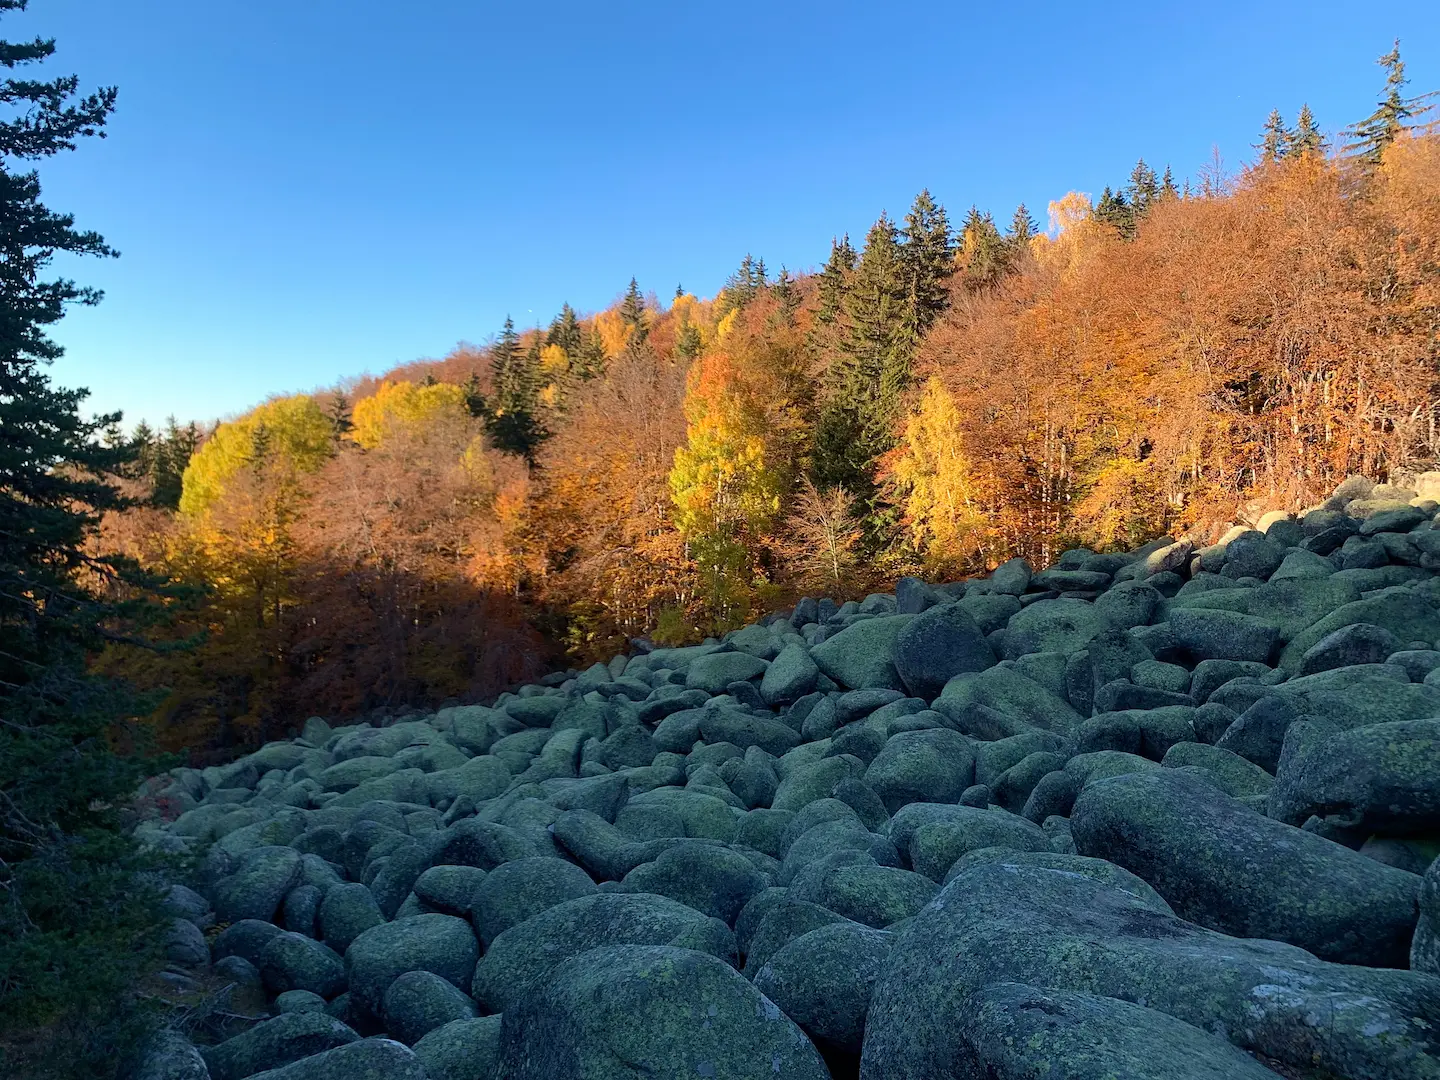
x=304 y=190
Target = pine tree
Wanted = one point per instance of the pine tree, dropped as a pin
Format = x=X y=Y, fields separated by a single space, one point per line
x=788 y=296
x=927 y=255
x=592 y=359
x=632 y=313
x=1274 y=138
x=1306 y=138
x=679 y=291
x=78 y=927
x=565 y=331
x=1393 y=114
x=743 y=285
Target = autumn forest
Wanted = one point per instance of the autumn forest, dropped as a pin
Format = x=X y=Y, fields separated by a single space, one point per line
x=944 y=393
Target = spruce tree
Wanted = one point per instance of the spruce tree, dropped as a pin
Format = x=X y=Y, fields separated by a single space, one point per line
x=1143 y=189
x=79 y=929
x=512 y=410
x=1274 y=138
x=983 y=251
x=565 y=332
x=1393 y=114
x=592 y=358
x=1168 y=190
x=788 y=296
x=339 y=415
x=1306 y=138
x=864 y=381
x=687 y=342
x=632 y=313
x=1023 y=229
x=927 y=254
x=826 y=330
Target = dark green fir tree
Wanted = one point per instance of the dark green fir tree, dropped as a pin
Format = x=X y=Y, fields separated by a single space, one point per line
x=1394 y=114
x=633 y=313
x=79 y=927
x=1306 y=138
x=1274 y=138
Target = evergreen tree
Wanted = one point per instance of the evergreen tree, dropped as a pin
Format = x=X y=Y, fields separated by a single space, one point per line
x=788 y=296
x=679 y=291
x=78 y=928
x=512 y=410
x=863 y=384
x=1111 y=209
x=591 y=360
x=687 y=343
x=1168 y=189
x=632 y=313
x=1143 y=189
x=1393 y=114
x=927 y=254
x=339 y=416
x=983 y=251
x=1274 y=138
x=1306 y=138
x=743 y=285
x=1023 y=229
x=565 y=332
x=826 y=331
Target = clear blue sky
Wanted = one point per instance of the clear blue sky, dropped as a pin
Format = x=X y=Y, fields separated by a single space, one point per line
x=304 y=190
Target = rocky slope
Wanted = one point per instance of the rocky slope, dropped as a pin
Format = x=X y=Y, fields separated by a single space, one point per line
x=1166 y=814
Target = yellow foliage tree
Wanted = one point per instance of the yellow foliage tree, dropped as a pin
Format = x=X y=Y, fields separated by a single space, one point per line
x=403 y=404
x=934 y=484
x=613 y=330
x=292 y=429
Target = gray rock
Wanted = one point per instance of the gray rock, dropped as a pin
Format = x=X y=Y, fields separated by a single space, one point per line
x=1259 y=732
x=620 y=1011
x=1425 y=948
x=526 y=955
x=299 y=1001
x=273 y=1043
x=823 y=979
x=713 y=880
x=936 y=846
x=1012 y=577
x=863 y=654
x=1010 y=1031
x=347 y=911
x=1224 y=866
x=1403 y=613
x=185 y=944
x=1233 y=774
x=462 y=1050
x=1251 y=555
x=1358 y=643
x=441 y=944
x=418 y=1002
x=1010 y=694
x=169 y=1055
x=1053 y=626
x=1210 y=634
x=790 y=676
x=876 y=896
x=258 y=885
x=1380 y=778
x=368 y=1059
x=1001 y=923
x=295 y=962
x=938 y=645
x=714 y=672
x=921 y=766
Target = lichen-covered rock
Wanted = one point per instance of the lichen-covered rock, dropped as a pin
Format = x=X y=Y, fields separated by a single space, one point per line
x=1013 y=696
x=1045 y=928
x=1425 y=948
x=525 y=955
x=711 y=879
x=273 y=1043
x=863 y=654
x=614 y=1012
x=441 y=944
x=461 y=1050
x=295 y=962
x=921 y=766
x=1010 y=1031
x=936 y=646
x=418 y=1002
x=258 y=885
x=1225 y=866
x=368 y=1059
x=823 y=979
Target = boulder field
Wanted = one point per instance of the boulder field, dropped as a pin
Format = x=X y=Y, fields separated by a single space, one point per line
x=1157 y=815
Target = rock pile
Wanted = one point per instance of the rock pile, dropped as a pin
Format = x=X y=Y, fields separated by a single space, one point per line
x=1165 y=814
